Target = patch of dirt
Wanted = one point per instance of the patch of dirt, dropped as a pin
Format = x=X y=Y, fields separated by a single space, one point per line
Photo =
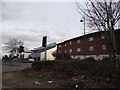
x=16 y=80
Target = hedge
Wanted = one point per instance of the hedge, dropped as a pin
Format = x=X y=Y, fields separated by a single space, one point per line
x=76 y=66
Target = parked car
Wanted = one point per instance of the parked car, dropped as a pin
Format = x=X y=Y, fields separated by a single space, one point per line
x=30 y=59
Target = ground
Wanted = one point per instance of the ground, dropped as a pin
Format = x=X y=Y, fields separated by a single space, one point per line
x=17 y=80
x=23 y=79
x=22 y=76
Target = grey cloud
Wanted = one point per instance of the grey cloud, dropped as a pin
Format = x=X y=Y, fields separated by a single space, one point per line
x=55 y=34
x=56 y=23
x=32 y=45
x=6 y=35
x=28 y=30
x=35 y=39
x=33 y=30
x=27 y=11
x=10 y=11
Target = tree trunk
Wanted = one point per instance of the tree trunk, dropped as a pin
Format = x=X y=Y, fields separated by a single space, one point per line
x=114 y=56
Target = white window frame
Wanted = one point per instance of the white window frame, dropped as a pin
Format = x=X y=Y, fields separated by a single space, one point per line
x=91 y=38
x=104 y=47
x=59 y=45
x=78 y=41
x=91 y=48
x=70 y=50
x=70 y=42
x=78 y=49
x=65 y=44
x=102 y=36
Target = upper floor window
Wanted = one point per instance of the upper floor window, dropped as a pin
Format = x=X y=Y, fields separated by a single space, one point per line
x=90 y=38
x=59 y=46
x=104 y=47
x=78 y=41
x=102 y=37
x=78 y=49
x=70 y=42
x=91 y=48
x=65 y=44
x=70 y=50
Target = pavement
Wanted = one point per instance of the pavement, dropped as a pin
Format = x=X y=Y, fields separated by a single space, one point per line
x=8 y=67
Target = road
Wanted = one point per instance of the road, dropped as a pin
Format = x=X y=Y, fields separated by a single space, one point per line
x=8 y=67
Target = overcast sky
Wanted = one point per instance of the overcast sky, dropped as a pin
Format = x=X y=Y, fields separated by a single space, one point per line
x=30 y=21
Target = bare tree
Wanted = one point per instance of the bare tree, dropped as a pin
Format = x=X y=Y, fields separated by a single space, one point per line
x=103 y=15
x=14 y=46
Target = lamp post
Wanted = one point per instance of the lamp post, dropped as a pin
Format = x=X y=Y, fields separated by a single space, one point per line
x=84 y=37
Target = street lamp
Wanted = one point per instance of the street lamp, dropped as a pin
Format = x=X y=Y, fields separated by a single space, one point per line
x=84 y=36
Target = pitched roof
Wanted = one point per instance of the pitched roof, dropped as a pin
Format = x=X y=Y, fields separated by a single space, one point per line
x=87 y=35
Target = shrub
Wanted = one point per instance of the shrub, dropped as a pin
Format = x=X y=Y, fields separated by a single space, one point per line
x=106 y=68
x=38 y=65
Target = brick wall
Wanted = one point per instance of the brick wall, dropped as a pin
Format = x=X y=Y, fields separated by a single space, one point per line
x=98 y=43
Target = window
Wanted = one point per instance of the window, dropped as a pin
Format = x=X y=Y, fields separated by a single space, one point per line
x=70 y=42
x=59 y=51
x=91 y=48
x=78 y=49
x=59 y=46
x=90 y=38
x=65 y=45
x=104 y=47
x=102 y=37
x=78 y=41
x=70 y=50
x=65 y=51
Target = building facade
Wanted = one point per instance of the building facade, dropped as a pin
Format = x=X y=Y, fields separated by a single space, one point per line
x=43 y=53
x=90 y=45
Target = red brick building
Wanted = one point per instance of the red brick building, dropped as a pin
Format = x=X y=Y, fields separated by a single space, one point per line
x=90 y=45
